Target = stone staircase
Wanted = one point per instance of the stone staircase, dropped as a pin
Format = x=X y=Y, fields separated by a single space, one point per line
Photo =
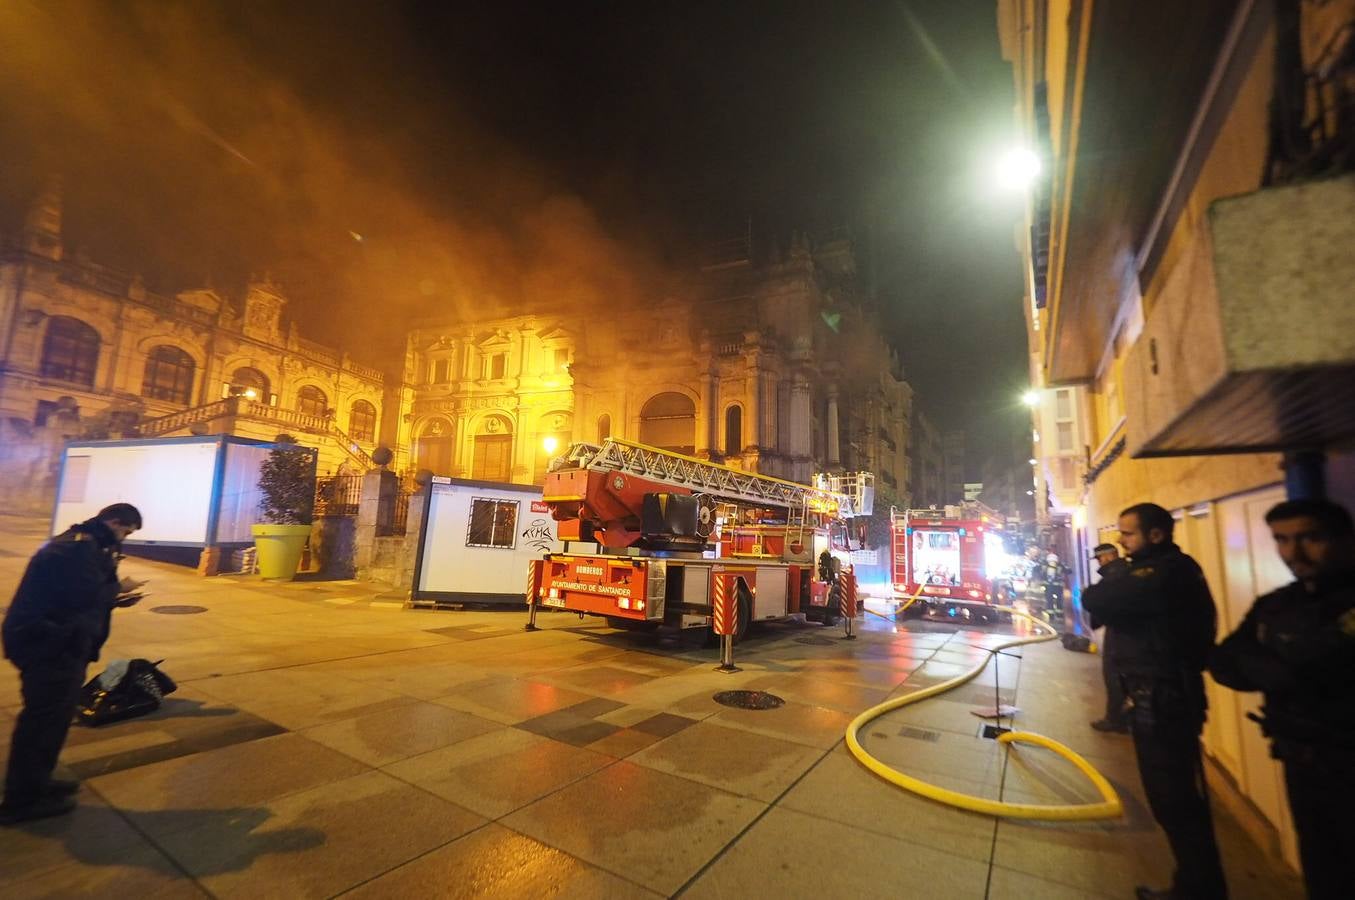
x=244 y=408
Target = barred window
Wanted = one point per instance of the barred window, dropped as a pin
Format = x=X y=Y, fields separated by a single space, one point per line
x=169 y=375
x=493 y=523
x=362 y=421
x=70 y=351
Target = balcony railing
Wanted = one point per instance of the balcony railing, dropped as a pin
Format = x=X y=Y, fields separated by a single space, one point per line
x=240 y=407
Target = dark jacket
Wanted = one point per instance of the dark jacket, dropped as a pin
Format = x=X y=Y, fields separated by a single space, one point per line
x=1298 y=648
x=64 y=604
x=1113 y=569
x=1163 y=618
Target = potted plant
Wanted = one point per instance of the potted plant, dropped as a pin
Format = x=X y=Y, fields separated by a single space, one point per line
x=287 y=482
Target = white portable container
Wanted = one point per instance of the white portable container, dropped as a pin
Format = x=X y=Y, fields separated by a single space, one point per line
x=477 y=538
x=191 y=491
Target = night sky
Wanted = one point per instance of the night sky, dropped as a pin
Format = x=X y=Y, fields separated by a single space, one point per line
x=382 y=159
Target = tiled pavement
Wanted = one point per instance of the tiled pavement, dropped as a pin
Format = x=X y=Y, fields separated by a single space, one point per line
x=318 y=748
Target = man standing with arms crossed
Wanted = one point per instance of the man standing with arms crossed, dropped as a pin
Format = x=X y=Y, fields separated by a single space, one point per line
x=1297 y=645
x=1163 y=617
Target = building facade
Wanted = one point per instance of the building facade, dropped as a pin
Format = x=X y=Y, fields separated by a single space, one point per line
x=1188 y=290
x=88 y=352
x=927 y=462
x=955 y=456
x=776 y=368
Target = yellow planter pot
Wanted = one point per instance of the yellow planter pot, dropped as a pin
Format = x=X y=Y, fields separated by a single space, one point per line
x=279 y=548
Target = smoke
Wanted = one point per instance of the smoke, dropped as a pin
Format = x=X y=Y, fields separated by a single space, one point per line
x=208 y=142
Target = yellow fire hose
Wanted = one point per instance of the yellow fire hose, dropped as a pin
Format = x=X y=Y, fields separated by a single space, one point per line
x=901 y=609
x=1108 y=808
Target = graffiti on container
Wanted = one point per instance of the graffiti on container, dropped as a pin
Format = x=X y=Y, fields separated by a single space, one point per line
x=538 y=535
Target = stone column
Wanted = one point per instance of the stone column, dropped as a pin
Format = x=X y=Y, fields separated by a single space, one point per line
x=834 y=448
x=771 y=392
x=754 y=417
x=801 y=441
x=379 y=487
x=707 y=404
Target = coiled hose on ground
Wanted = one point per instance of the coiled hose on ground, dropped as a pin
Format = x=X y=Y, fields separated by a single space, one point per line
x=1109 y=807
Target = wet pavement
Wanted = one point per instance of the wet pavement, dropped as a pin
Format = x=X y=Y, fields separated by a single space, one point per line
x=325 y=741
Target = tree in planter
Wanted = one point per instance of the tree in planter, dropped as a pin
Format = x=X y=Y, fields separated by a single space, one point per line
x=287 y=480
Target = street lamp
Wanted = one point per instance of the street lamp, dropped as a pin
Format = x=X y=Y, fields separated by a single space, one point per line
x=1018 y=168
x=550 y=444
x=1031 y=398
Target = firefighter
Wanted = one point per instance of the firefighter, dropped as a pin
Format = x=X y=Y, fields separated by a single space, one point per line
x=1297 y=646
x=1107 y=556
x=1163 y=617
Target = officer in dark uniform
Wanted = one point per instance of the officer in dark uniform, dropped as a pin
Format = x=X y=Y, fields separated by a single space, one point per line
x=1297 y=645
x=55 y=626
x=1163 y=618
x=1107 y=556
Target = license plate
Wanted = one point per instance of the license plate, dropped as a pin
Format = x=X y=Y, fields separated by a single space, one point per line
x=552 y=601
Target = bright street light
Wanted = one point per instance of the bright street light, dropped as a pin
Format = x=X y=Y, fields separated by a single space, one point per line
x=1018 y=168
x=550 y=445
x=1031 y=398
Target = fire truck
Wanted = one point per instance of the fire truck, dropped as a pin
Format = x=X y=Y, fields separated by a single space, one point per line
x=660 y=533
x=952 y=561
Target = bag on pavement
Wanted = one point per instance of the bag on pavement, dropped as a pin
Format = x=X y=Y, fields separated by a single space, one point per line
x=126 y=689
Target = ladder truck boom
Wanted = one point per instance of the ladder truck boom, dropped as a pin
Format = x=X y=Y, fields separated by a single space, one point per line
x=599 y=491
x=666 y=532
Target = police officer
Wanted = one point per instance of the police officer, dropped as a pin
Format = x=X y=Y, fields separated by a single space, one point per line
x=1162 y=615
x=1297 y=646
x=55 y=626
x=1107 y=556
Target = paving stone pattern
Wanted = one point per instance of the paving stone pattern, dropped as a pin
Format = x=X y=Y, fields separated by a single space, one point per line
x=326 y=742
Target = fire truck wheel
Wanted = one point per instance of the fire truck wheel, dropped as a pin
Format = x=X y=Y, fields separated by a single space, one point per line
x=745 y=613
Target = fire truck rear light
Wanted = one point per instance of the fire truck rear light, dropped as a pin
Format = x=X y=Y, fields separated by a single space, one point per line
x=555 y=593
x=975 y=594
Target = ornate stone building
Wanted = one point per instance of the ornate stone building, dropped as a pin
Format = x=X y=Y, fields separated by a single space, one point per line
x=776 y=368
x=87 y=351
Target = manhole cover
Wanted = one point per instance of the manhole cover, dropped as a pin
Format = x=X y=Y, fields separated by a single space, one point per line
x=748 y=699
x=178 y=610
x=815 y=641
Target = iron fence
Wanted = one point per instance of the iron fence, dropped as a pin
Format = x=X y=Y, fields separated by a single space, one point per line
x=338 y=495
x=392 y=514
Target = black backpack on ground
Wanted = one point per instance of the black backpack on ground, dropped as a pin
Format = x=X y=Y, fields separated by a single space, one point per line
x=118 y=693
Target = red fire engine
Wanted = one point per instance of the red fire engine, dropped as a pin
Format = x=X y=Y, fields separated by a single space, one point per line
x=663 y=532
x=950 y=561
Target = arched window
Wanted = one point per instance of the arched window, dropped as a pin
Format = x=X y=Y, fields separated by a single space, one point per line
x=311 y=401
x=70 y=351
x=604 y=428
x=734 y=430
x=250 y=384
x=669 y=421
x=169 y=375
x=362 y=421
x=492 y=457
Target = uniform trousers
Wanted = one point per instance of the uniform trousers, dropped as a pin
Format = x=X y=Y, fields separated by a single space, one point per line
x=50 y=689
